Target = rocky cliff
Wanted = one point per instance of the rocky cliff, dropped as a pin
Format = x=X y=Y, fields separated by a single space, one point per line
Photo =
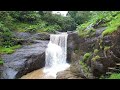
x=90 y=57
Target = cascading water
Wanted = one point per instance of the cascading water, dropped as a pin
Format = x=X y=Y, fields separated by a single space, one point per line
x=56 y=54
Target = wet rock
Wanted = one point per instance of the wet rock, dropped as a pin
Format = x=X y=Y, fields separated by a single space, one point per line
x=24 y=41
x=1 y=69
x=72 y=44
x=67 y=74
x=26 y=38
x=24 y=60
x=22 y=35
x=108 y=58
x=41 y=36
x=78 y=70
x=99 y=31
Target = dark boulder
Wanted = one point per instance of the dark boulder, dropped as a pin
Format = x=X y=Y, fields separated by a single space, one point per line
x=40 y=36
x=72 y=44
x=24 y=60
x=67 y=74
x=22 y=35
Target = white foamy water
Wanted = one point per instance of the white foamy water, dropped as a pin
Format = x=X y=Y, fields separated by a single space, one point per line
x=56 y=54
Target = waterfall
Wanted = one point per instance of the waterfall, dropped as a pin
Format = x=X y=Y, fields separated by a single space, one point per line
x=56 y=54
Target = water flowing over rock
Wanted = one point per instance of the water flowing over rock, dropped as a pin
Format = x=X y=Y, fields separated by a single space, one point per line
x=56 y=54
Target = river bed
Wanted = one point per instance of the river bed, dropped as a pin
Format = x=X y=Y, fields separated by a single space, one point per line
x=37 y=74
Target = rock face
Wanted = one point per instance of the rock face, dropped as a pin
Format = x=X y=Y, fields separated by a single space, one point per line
x=22 y=35
x=41 y=36
x=32 y=57
x=72 y=44
x=108 y=52
x=108 y=58
x=24 y=60
x=67 y=74
x=27 y=35
x=26 y=38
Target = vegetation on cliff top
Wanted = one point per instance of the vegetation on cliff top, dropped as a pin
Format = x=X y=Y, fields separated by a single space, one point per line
x=9 y=50
x=29 y=21
x=109 y=19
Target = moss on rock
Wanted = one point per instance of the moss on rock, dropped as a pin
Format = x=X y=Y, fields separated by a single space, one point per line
x=95 y=58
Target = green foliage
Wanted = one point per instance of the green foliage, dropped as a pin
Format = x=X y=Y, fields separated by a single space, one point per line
x=101 y=44
x=86 y=56
x=31 y=21
x=114 y=76
x=106 y=48
x=51 y=28
x=41 y=21
x=83 y=26
x=85 y=68
x=79 y=16
x=65 y=23
x=6 y=36
x=26 y=16
x=87 y=33
x=95 y=58
x=113 y=26
x=96 y=51
x=1 y=61
x=110 y=19
x=4 y=50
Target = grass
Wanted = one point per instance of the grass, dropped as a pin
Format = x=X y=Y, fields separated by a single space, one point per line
x=87 y=33
x=114 y=76
x=112 y=26
x=10 y=50
x=110 y=19
x=109 y=30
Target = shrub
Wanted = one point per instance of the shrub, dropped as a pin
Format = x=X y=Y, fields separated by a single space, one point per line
x=114 y=76
x=86 y=69
x=112 y=26
x=86 y=56
x=5 y=50
x=87 y=33
x=106 y=48
x=6 y=36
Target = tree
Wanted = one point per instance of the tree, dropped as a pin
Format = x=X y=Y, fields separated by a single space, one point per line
x=79 y=16
x=26 y=16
